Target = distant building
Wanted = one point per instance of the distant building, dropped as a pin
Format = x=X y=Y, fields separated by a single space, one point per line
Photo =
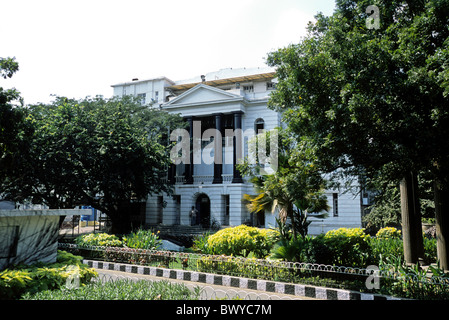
x=226 y=100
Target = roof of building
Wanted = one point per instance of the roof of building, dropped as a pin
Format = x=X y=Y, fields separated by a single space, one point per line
x=220 y=77
x=135 y=81
x=226 y=76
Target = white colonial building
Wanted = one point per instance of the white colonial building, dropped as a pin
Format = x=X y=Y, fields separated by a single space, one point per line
x=225 y=101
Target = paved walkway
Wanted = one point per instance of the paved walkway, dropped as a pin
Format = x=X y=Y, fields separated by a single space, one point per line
x=210 y=291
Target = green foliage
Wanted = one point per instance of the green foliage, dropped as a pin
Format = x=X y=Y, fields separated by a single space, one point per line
x=349 y=246
x=13 y=283
x=245 y=267
x=142 y=239
x=98 y=239
x=241 y=241
x=366 y=100
x=13 y=129
x=16 y=282
x=122 y=289
x=77 y=150
x=295 y=189
x=66 y=258
x=381 y=248
x=430 y=250
x=200 y=243
x=365 y=97
x=344 y=247
x=413 y=281
x=293 y=249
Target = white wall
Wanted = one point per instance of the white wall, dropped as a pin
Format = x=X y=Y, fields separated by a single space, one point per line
x=349 y=214
x=33 y=234
x=148 y=87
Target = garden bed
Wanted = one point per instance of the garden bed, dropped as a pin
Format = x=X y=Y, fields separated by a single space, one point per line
x=344 y=258
x=405 y=283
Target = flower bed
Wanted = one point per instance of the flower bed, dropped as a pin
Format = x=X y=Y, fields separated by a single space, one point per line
x=395 y=280
x=245 y=252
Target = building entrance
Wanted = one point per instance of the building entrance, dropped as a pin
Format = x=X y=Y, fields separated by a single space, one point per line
x=203 y=207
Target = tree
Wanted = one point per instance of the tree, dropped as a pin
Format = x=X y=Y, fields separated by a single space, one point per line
x=368 y=97
x=12 y=127
x=295 y=189
x=103 y=153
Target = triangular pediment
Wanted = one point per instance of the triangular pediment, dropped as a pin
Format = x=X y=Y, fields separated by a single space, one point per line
x=202 y=94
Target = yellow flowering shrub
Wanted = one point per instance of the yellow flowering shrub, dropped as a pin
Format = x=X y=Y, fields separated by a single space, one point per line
x=388 y=233
x=241 y=241
x=347 y=246
x=99 y=239
x=351 y=233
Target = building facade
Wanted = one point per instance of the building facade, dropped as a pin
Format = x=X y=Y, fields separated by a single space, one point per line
x=232 y=102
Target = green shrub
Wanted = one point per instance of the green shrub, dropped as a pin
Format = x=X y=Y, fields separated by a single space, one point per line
x=345 y=247
x=318 y=251
x=200 y=244
x=293 y=249
x=245 y=267
x=16 y=282
x=13 y=283
x=430 y=250
x=98 y=239
x=385 y=248
x=123 y=289
x=241 y=241
x=142 y=239
x=66 y=258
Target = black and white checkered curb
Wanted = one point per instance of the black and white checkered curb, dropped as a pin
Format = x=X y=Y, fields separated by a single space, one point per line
x=242 y=283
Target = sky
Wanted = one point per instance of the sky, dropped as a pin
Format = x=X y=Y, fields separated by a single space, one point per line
x=80 y=48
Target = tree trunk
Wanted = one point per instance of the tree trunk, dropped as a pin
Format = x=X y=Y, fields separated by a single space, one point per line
x=411 y=219
x=441 y=192
x=120 y=222
x=292 y=218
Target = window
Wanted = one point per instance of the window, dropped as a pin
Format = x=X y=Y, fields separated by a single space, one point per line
x=259 y=126
x=335 y=204
x=249 y=88
x=226 y=209
x=156 y=96
x=142 y=98
x=177 y=199
x=261 y=154
x=160 y=209
x=271 y=85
